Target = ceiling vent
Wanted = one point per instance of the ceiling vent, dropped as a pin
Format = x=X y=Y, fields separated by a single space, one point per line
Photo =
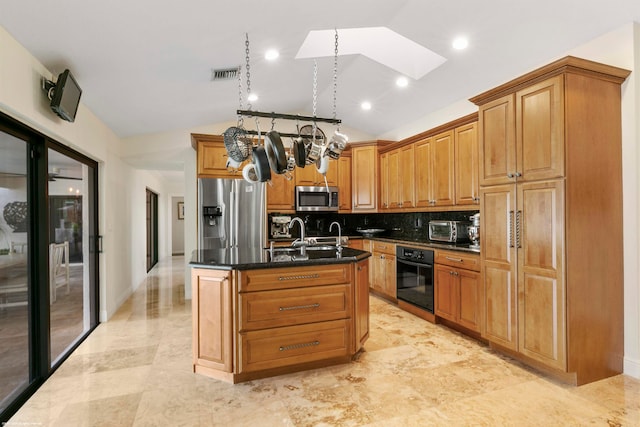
x=225 y=74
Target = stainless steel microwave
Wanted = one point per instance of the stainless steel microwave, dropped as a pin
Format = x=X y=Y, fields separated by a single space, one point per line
x=316 y=199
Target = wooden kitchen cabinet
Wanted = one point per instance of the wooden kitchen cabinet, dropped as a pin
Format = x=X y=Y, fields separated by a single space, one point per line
x=212 y=319
x=543 y=165
x=212 y=157
x=361 y=304
x=281 y=194
x=383 y=259
x=523 y=134
x=466 y=165
x=365 y=178
x=397 y=178
x=406 y=176
x=458 y=290
x=434 y=170
x=344 y=183
x=385 y=197
x=309 y=176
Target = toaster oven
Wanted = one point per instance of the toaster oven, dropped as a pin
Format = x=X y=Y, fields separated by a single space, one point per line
x=449 y=231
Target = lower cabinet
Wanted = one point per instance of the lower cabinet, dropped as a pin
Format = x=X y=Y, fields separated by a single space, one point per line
x=383 y=260
x=252 y=324
x=458 y=290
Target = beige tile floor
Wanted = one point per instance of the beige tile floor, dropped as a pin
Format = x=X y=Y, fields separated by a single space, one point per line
x=135 y=370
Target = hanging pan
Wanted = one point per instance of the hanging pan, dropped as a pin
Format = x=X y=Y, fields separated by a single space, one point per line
x=275 y=152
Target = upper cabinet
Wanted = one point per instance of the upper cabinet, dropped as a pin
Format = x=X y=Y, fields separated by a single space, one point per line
x=523 y=134
x=344 y=182
x=280 y=194
x=212 y=157
x=365 y=178
x=466 y=164
x=309 y=176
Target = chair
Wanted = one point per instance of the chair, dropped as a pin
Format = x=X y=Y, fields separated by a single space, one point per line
x=58 y=268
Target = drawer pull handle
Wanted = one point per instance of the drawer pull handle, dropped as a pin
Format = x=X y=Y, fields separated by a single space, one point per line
x=454 y=259
x=297 y=346
x=302 y=276
x=300 y=307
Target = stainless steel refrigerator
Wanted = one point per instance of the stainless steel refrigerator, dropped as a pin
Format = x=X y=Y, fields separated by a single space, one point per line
x=232 y=214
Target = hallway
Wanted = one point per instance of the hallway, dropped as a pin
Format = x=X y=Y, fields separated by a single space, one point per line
x=135 y=370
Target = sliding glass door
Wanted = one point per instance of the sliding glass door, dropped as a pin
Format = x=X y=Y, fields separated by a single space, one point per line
x=15 y=331
x=48 y=259
x=71 y=279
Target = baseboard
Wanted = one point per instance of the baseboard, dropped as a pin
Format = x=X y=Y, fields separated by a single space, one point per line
x=631 y=367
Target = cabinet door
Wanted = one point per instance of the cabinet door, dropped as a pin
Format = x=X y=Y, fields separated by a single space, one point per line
x=497 y=141
x=446 y=293
x=466 y=164
x=389 y=284
x=392 y=181
x=442 y=171
x=307 y=176
x=280 y=194
x=497 y=205
x=422 y=165
x=212 y=319
x=212 y=161
x=332 y=174
x=384 y=182
x=541 y=291
x=344 y=184
x=361 y=303
x=540 y=130
x=365 y=178
x=469 y=308
x=406 y=176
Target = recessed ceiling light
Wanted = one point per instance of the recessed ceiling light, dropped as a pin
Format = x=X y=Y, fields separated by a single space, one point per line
x=271 y=54
x=252 y=97
x=366 y=105
x=460 y=43
x=402 y=81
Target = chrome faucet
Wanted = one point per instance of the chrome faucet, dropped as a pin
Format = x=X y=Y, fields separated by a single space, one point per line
x=339 y=239
x=301 y=242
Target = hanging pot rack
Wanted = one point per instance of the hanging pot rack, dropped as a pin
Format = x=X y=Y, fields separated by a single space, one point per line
x=296 y=117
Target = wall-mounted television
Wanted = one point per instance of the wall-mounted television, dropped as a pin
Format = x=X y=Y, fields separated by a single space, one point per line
x=65 y=96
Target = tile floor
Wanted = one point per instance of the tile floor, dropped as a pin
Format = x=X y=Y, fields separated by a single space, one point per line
x=135 y=370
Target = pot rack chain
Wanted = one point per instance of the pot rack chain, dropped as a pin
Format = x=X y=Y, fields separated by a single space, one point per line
x=248 y=67
x=335 y=78
x=240 y=118
x=250 y=113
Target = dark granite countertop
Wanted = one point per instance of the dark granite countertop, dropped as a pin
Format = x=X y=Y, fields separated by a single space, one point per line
x=254 y=258
x=463 y=247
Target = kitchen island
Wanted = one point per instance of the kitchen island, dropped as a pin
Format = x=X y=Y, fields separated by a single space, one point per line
x=259 y=313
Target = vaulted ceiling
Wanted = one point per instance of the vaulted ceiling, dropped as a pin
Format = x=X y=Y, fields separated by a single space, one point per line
x=145 y=65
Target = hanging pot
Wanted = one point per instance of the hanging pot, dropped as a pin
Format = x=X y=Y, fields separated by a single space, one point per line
x=261 y=163
x=249 y=173
x=337 y=144
x=299 y=152
x=235 y=143
x=275 y=152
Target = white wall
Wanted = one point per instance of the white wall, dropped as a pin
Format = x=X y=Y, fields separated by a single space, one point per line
x=120 y=187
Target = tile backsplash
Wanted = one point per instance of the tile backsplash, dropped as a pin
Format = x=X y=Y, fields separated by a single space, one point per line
x=405 y=226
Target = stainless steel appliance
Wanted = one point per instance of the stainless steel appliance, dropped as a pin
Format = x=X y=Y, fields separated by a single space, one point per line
x=280 y=226
x=414 y=276
x=474 y=231
x=449 y=231
x=316 y=199
x=232 y=214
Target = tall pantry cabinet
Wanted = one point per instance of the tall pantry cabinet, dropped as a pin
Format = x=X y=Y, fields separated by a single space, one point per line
x=551 y=231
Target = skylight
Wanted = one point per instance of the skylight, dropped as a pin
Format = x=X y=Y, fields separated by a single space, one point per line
x=377 y=43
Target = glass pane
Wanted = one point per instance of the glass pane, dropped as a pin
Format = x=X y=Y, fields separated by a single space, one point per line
x=69 y=273
x=14 y=278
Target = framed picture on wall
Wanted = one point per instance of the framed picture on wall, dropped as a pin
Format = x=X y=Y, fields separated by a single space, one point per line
x=180 y=210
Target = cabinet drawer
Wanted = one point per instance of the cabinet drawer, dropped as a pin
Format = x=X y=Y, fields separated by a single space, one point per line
x=293 y=277
x=273 y=348
x=384 y=247
x=287 y=307
x=458 y=259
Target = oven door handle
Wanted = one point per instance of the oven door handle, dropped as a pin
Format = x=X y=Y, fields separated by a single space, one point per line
x=414 y=264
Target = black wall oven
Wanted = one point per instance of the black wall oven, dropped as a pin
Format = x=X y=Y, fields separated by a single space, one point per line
x=414 y=276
